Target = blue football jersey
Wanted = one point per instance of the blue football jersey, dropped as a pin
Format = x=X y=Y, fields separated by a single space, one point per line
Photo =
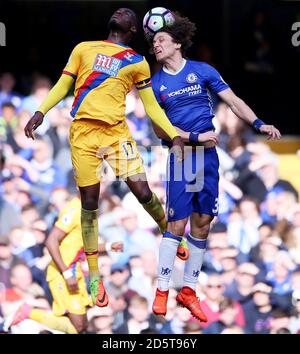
x=185 y=95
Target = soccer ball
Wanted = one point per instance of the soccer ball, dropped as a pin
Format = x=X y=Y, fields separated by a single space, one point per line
x=155 y=19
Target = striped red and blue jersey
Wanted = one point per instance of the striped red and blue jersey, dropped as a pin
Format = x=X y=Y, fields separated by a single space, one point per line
x=104 y=73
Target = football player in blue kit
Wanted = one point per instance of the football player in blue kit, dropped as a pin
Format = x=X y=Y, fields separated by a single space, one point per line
x=182 y=87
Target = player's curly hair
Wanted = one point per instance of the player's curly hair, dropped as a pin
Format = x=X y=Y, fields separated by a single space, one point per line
x=182 y=31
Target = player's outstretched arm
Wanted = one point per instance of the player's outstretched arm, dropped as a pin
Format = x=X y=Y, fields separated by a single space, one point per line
x=158 y=117
x=56 y=94
x=201 y=138
x=243 y=111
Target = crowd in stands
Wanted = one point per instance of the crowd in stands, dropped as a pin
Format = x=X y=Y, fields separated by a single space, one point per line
x=250 y=281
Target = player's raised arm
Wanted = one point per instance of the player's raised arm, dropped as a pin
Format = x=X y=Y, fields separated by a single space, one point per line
x=158 y=117
x=56 y=94
x=244 y=112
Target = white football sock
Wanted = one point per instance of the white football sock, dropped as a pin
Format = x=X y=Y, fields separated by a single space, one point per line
x=193 y=264
x=167 y=253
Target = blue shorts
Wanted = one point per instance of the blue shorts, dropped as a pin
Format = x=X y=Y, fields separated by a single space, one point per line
x=193 y=185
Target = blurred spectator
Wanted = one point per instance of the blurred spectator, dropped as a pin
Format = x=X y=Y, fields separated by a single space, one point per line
x=59 y=137
x=279 y=321
x=229 y=195
x=268 y=250
x=294 y=244
x=29 y=215
x=22 y=289
x=58 y=200
x=258 y=313
x=101 y=319
x=122 y=225
x=265 y=230
x=178 y=323
x=7 y=95
x=266 y=166
x=119 y=304
x=31 y=103
x=143 y=274
x=233 y=330
x=138 y=240
x=214 y=295
x=17 y=142
x=139 y=317
x=50 y=176
x=241 y=288
x=129 y=202
x=294 y=323
x=192 y=328
x=228 y=313
x=246 y=180
x=229 y=125
x=8 y=121
x=118 y=283
x=9 y=214
x=280 y=275
x=237 y=148
x=21 y=239
x=7 y=261
x=295 y=215
x=217 y=242
x=229 y=265
x=242 y=232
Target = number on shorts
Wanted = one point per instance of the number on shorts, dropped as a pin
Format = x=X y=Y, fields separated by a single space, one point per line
x=216 y=208
x=128 y=149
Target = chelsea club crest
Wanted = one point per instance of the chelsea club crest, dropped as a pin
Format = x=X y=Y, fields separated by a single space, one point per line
x=191 y=78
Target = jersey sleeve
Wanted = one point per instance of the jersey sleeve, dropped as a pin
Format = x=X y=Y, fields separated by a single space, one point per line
x=73 y=63
x=214 y=80
x=141 y=78
x=67 y=220
x=157 y=92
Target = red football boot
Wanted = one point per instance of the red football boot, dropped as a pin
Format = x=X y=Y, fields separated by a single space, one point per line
x=159 y=306
x=188 y=299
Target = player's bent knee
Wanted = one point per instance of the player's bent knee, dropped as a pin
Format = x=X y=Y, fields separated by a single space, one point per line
x=144 y=196
x=200 y=231
x=89 y=202
x=205 y=229
x=90 y=197
x=177 y=227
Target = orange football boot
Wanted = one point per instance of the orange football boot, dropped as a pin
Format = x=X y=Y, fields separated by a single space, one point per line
x=98 y=293
x=159 y=306
x=188 y=299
